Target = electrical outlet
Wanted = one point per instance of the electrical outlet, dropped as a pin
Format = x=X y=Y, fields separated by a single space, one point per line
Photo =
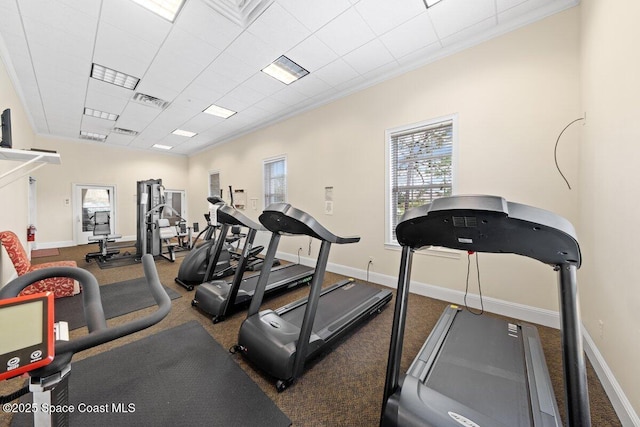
x=370 y=259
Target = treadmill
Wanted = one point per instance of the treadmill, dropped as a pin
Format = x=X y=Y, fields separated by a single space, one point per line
x=281 y=341
x=480 y=370
x=220 y=298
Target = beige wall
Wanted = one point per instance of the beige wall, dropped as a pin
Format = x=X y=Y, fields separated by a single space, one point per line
x=13 y=197
x=609 y=188
x=98 y=164
x=512 y=95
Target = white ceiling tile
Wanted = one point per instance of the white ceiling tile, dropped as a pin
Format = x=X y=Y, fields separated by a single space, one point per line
x=382 y=16
x=336 y=72
x=95 y=124
x=368 y=57
x=203 y=22
x=278 y=28
x=421 y=56
x=290 y=95
x=253 y=51
x=346 y=32
x=112 y=94
x=347 y=85
x=88 y=7
x=313 y=14
x=119 y=139
x=270 y=105
x=56 y=39
x=312 y=85
x=182 y=46
x=202 y=122
x=185 y=100
x=312 y=54
x=134 y=19
x=502 y=5
x=57 y=16
x=117 y=49
x=230 y=68
x=469 y=35
x=246 y=95
x=452 y=16
x=137 y=116
x=410 y=36
x=263 y=83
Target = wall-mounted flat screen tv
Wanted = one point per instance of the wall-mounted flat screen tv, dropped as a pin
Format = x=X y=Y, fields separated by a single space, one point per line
x=6 y=129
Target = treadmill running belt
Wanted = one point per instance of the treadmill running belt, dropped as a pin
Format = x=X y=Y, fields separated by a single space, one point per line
x=333 y=305
x=249 y=284
x=482 y=366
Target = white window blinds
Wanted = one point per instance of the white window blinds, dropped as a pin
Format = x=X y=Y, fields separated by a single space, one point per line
x=420 y=161
x=275 y=181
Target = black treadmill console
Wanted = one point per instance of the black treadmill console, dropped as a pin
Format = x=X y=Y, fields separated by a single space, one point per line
x=490 y=224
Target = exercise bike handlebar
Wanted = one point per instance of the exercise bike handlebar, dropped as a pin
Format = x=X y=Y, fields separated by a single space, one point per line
x=99 y=333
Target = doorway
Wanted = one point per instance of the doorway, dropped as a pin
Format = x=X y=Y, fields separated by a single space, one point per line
x=87 y=200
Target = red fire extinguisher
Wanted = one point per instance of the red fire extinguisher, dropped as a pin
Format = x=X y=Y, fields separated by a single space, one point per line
x=31 y=233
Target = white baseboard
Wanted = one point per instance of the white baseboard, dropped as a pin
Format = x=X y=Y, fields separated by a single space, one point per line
x=53 y=245
x=624 y=410
x=544 y=317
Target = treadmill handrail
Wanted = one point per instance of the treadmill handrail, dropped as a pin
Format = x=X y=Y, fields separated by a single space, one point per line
x=483 y=223
x=231 y=216
x=285 y=219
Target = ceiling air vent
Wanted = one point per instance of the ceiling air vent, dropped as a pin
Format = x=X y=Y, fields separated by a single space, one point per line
x=151 y=101
x=242 y=12
x=125 y=131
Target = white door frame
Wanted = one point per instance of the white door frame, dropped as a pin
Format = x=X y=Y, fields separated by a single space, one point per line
x=80 y=237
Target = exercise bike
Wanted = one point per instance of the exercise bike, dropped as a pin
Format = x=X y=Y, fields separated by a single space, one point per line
x=49 y=378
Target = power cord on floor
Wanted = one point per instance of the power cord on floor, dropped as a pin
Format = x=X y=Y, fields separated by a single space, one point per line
x=466 y=291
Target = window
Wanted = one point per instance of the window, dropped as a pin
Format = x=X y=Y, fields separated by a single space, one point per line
x=214 y=184
x=275 y=180
x=419 y=166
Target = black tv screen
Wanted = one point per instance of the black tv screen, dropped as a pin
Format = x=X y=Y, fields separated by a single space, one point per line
x=6 y=129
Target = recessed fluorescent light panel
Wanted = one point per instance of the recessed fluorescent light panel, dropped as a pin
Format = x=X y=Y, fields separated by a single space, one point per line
x=117 y=78
x=430 y=3
x=182 y=132
x=162 y=147
x=100 y=114
x=168 y=9
x=285 y=70
x=219 y=111
x=93 y=136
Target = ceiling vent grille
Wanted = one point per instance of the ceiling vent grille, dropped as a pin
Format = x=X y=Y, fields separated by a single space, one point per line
x=151 y=101
x=125 y=131
x=242 y=12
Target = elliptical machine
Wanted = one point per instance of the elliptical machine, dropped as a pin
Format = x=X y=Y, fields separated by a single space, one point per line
x=193 y=269
x=206 y=262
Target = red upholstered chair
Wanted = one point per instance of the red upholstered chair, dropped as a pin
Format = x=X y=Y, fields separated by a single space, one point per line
x=60 y=286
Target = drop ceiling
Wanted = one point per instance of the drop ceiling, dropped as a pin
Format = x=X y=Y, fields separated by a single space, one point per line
x=213 y=53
